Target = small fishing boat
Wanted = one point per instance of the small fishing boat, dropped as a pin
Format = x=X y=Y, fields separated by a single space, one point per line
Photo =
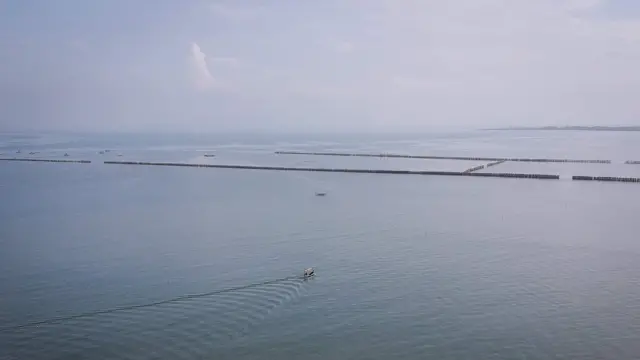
x=65 y=154
x=309 y=272
x=209 y=155
x=321 y=194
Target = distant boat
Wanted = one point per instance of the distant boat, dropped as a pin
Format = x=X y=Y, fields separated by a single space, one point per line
x=65 y=154
x=119 y=154
x=107 y=151
x=101 y=152
x=309 y=272
x=209 y=155
x=321 y=194
x=18 y=152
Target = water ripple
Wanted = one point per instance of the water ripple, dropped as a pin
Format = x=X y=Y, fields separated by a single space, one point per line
x=185 y=328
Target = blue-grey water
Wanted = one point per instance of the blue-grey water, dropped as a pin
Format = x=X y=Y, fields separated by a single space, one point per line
x=408 y=267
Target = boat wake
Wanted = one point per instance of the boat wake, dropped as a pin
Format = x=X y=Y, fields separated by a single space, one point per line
x=189 y=326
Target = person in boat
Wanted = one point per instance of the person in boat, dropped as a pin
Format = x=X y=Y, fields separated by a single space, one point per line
x=309 y=272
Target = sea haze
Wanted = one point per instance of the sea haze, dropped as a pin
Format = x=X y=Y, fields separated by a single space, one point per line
x=408 y=267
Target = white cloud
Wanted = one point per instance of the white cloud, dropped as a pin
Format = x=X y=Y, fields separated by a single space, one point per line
x=473 y=62
x=390 y=62
x=201 y=76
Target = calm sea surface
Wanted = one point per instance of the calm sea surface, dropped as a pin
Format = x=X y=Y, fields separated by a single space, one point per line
x=408 y=267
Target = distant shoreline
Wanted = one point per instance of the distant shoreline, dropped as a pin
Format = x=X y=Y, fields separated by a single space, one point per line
x=574 y=128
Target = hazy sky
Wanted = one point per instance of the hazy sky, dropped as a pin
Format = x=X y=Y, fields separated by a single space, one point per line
x=330 y=65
